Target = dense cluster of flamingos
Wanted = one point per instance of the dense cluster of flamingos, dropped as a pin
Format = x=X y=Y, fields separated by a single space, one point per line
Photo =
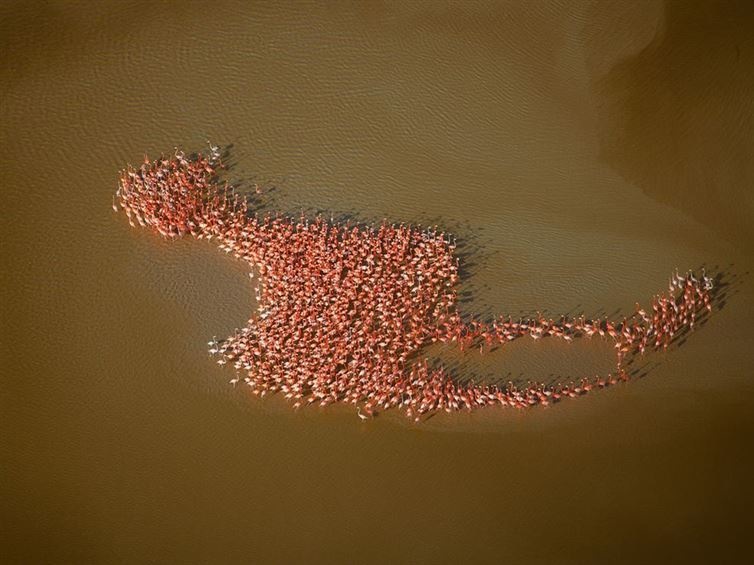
x=343 y=310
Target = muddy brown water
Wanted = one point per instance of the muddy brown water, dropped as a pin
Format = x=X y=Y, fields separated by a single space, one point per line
x=582 y=149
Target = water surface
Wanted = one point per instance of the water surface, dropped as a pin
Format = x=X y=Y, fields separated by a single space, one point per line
x=582 y=149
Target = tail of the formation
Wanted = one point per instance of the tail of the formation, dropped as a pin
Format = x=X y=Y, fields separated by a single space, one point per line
x=343 y=311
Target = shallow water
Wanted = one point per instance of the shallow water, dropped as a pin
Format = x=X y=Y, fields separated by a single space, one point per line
x=582 y=150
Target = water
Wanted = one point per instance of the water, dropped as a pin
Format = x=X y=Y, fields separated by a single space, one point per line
x=582 y=150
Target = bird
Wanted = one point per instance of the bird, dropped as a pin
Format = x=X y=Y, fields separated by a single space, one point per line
x=344 y=310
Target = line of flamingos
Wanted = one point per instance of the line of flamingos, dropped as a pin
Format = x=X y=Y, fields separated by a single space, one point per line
x=344 y=309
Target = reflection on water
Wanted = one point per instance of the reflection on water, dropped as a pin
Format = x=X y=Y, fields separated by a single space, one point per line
x=585 y=149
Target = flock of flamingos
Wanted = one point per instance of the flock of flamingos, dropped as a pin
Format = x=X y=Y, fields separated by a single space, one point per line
x=344 y=309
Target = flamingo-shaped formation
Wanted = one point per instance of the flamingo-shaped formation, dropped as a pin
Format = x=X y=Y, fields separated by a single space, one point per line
x=343 y=310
